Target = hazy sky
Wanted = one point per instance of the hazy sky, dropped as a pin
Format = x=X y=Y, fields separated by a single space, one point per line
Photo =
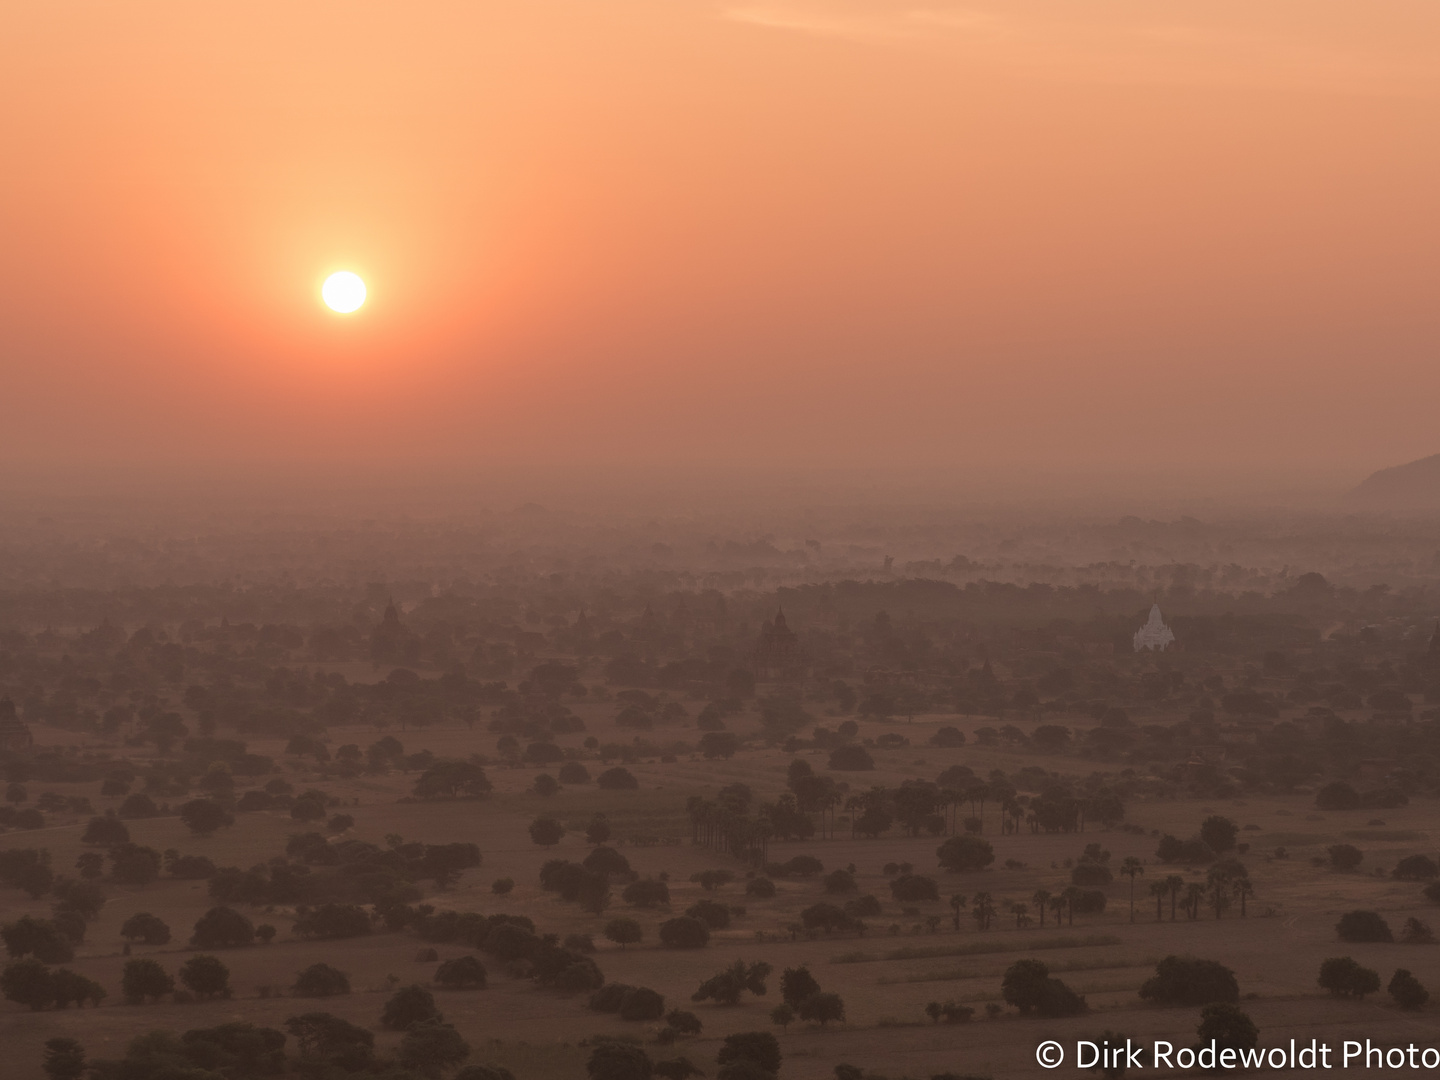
x=928 y=234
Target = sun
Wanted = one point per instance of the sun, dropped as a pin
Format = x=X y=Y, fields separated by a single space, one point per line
x=343 y=292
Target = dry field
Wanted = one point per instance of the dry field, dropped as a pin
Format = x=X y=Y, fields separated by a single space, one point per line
x=886 y=977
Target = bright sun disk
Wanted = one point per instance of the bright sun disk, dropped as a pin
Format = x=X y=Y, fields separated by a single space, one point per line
x=343 y=292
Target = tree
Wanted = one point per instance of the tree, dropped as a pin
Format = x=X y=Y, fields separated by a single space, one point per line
x=647 y=893
x=850 y=758
x=606 y=860
x=1343 y=977
x=105 y=831
x=1337 y=796
x=797 y=984
x=1407 y=990
x=91 y=865
x=321 y=980
x=431 y=1048
x=409 y=1006
x=64 y=1059
x=332 y=922
x=914 y=889
x=452 y=779
x=337 y=1042
x=711 y=912
x=683 y=1023
x=204 y=816
x=221 y=928
x=1219 y=833
x=822 y=1008
x=28 y=982
x=725 y=987
x=623 y=931
x=965 y=852
x=461 y=973
x=719 y=744
x=547 y=832
x=617 y=779
x=143 y=978
x=757 y=1047
x=1345 y=856
x=41 y=938
x=484 y=1072
x=1132 y=868
x=1028 y=986
x=1184 y=980
x=133 y=864
x=679 y=1068
x=1363 y=926
x=1415 y=868
x=206 y=977
x=783 y=1015
x=642 y=1003
x=1228 y=1026
x=619 y=1061
x=684 y=932
x=70 y=987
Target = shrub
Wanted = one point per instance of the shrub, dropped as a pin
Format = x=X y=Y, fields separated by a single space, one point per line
x=430 y=1049
x=1228 y=1027
x=143 y=978
x=1343 y=977
x=710 y=880
x=623 y=931
x=758 y=1047
x=1337 y=796
x=28 y=982
x=409 y=1006
x=760 y=888
x=1417 y=933
x=222 y=927
x=572 y=772
x=105 y=831
x=1363 y=926
x=822 y=1008
x=840 y=881
x=606 y=860
x=965 y=852
x=462 y=973
x=1089 y=873
x=725 y=987
x=205 y=977
x=1218 y=834
x=41 y=938
x=1028 y=986
x=132 y=864
x=191 y=868
x=1407 y=990
x=321 y=980
x=546 y=832
x=862 y=907
x=331 y=922
x=617 y=779
x=647 y=893
x=1194 y=850
x=914 y=889
x=146 y=928
x=851 y=758
x=1415 y=868
x=642 y=1003
x=1187 y=981
x=204 y=816
x=686 y=932
x=1345 y=856
x=502 y=886
x=829 y=918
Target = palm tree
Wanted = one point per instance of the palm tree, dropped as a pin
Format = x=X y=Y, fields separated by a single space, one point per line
x=1194 y=893
x=1022 y=914
x=1070 y=895
x=1131 y=867
x=1040 y=900
x=957 y=905
x=1174 y=882
x=1057 y=905
x=983 y=910
x=1158 y=889
x=1243 y=889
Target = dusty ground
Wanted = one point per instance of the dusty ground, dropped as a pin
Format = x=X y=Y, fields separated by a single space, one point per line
x=1275 y=951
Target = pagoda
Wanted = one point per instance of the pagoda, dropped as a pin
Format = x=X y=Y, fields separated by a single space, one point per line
x=778 y=655
x=1154 y=635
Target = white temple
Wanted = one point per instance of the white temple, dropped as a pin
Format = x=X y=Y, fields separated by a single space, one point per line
x=1154 y=634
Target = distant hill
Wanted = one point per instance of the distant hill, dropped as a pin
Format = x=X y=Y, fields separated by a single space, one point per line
x=1415 y=486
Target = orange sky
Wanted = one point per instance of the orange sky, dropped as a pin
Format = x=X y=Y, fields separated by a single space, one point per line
x=851 y=232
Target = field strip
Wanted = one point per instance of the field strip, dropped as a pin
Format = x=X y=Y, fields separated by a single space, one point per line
x=961 y=974
x=979 y=948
